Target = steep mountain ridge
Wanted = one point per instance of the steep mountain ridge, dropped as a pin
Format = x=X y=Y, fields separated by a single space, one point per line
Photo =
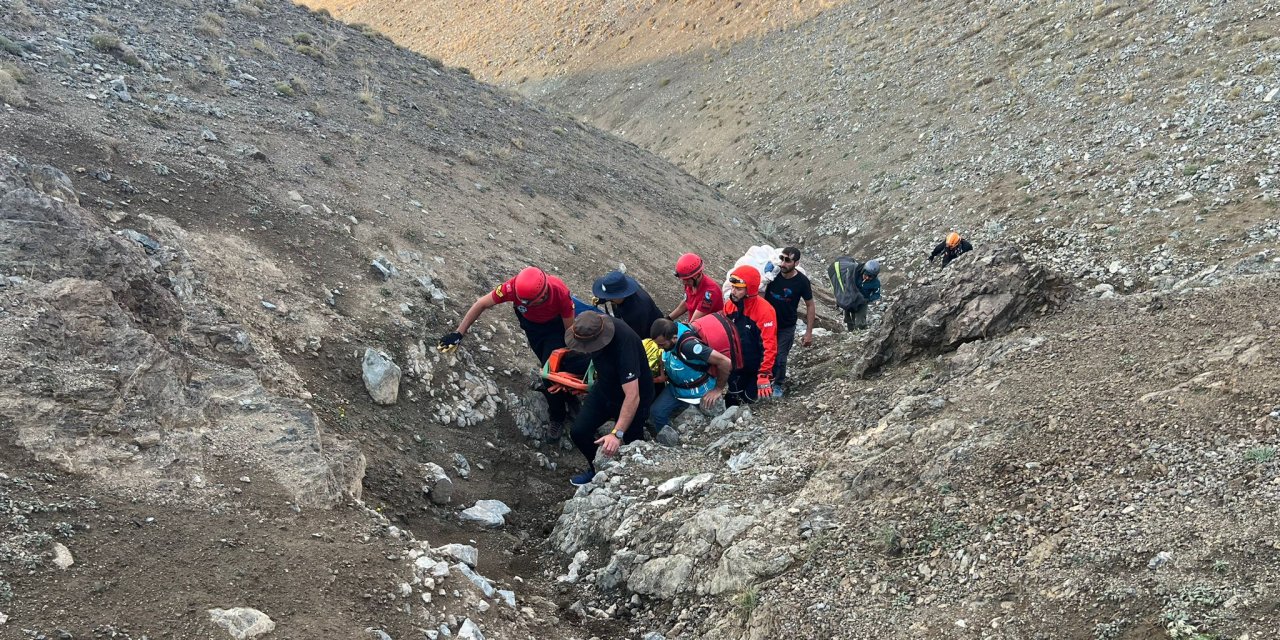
x=1132 y=145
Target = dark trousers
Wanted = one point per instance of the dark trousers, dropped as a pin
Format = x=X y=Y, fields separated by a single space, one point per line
x=786 y=339
x=598 y=409
x=545 y=337
x=742 y=387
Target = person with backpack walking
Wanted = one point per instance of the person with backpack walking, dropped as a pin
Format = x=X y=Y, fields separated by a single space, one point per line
x=951 y=248
x=756 y=325
x=784 y=293
x=627 y=301
x=545 y=310
x=623 y=389
x=701 y=294
x=868 y=279
x=846 y=276
x=696 y=373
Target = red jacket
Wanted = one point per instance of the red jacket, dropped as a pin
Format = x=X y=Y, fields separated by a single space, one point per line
x=760 y=311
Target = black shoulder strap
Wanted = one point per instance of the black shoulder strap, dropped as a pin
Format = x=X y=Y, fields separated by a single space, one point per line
x=689 y=335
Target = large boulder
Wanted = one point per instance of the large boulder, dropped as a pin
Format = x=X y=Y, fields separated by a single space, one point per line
x=974 y=299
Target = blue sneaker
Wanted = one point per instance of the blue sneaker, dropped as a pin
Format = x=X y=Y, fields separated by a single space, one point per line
x=777 y=391
x=583 y=478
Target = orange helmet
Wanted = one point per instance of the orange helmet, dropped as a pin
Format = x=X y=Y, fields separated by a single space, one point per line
x=953 y=240
x=689 y=266
x=531 y=283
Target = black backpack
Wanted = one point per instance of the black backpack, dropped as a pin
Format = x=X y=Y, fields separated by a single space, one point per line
x=751 y=339
x=845 y=274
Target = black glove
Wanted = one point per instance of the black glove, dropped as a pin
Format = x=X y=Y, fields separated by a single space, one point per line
x=449 y=342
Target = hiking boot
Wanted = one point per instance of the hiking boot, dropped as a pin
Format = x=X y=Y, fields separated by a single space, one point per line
x=583 y=478
x=777 y=391
x=555 y=430
x=668 y=436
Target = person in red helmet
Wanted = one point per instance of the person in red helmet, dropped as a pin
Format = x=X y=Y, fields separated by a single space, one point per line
x=702 y=295
x=544 y=309
x=757 y=326
x=951 y=248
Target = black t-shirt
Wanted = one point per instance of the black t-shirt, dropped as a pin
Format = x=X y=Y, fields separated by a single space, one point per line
x=785 y=295
x=638 y=311
x=621 y=361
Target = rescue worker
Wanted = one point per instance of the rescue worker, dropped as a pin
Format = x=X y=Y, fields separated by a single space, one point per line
x=623 y=389
x=784 y=294
x=696 y=373
x=868 y=277
x=701 y=294
x=757 y=328
x=951 y=248
x=627 y=301
x=545 y=310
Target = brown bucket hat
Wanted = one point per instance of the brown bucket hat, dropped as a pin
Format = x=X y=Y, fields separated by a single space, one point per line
x=590 y=332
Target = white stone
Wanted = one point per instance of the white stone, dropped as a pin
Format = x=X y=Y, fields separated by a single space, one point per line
x=242 y=622
x=460 y=552
x=487 y=513
x=62 y=558
x=698 y=483
x=469 y=631
x=672 y=486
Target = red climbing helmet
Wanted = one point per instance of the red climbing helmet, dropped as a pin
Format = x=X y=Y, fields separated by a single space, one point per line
x=689 y=266
x=531 y=283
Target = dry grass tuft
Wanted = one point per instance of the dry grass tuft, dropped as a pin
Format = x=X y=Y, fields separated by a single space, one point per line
x=10 y=92
x=211 y=25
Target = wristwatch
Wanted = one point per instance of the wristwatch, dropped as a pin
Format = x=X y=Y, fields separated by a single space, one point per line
x=617 y=434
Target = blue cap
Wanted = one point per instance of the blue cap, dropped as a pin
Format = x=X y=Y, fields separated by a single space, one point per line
x=615 y=285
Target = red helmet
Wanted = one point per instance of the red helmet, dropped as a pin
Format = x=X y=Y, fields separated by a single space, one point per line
x=531 y=283
x=689 y=266
x=953 y=240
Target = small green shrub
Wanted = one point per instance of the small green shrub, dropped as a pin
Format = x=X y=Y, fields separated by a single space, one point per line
x=1260 y=454
x=746 y=602
x=285 y=89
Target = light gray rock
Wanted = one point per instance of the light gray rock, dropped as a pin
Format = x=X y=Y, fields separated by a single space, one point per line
x=672 y=486
x=466 y=554
x=469 y=631
x=745 y=563
x=487 y=513
x=62 y=557
x=698 y=483
x=437 y=484
x=478 y=580
x=662 y=577
x=461 y=465
x=384 y=269
x=508 y=597
x=242 y=622
x=381 y=377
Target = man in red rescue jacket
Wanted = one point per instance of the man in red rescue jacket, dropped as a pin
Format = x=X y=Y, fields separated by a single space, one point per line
x=757 y=326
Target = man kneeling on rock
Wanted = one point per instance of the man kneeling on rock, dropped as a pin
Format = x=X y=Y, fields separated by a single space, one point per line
x=623 y=389
x=695 y=373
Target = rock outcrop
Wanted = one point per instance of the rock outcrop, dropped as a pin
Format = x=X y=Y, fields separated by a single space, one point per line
x=980 y=296
x=113 y=364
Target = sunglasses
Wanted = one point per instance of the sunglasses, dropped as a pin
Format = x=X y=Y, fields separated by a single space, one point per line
x=737 y=282
x=787 y=259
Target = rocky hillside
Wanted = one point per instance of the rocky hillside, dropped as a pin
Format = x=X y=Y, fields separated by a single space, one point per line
x=1104 y=470
x=212 y=214
x=1131 y=145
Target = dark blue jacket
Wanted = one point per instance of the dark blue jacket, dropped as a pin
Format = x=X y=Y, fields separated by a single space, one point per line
x=870 y=289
